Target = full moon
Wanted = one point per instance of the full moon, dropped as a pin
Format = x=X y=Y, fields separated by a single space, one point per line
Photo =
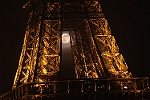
x=65 y=38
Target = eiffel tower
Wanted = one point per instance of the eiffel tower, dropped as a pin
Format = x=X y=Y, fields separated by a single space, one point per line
x=78 y=31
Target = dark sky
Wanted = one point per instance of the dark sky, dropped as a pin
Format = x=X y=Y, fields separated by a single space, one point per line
x=128 y=19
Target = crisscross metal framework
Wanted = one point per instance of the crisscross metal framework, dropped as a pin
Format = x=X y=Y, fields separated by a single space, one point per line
x=94 y=49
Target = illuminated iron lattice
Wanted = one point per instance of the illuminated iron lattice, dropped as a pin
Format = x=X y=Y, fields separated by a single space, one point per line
x=94 y=49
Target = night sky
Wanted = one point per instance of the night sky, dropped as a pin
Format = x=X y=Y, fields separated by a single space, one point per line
x=128 y=19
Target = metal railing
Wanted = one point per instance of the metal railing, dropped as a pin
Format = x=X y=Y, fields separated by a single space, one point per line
x=78 y=87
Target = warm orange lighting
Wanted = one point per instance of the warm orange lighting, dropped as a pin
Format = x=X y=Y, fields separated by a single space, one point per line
x=44 y=71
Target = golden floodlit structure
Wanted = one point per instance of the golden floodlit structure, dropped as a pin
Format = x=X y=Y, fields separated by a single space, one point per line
x=94 y=50
x=98 y=65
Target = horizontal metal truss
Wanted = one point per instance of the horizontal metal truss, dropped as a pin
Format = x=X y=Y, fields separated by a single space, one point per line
x=72 y=10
